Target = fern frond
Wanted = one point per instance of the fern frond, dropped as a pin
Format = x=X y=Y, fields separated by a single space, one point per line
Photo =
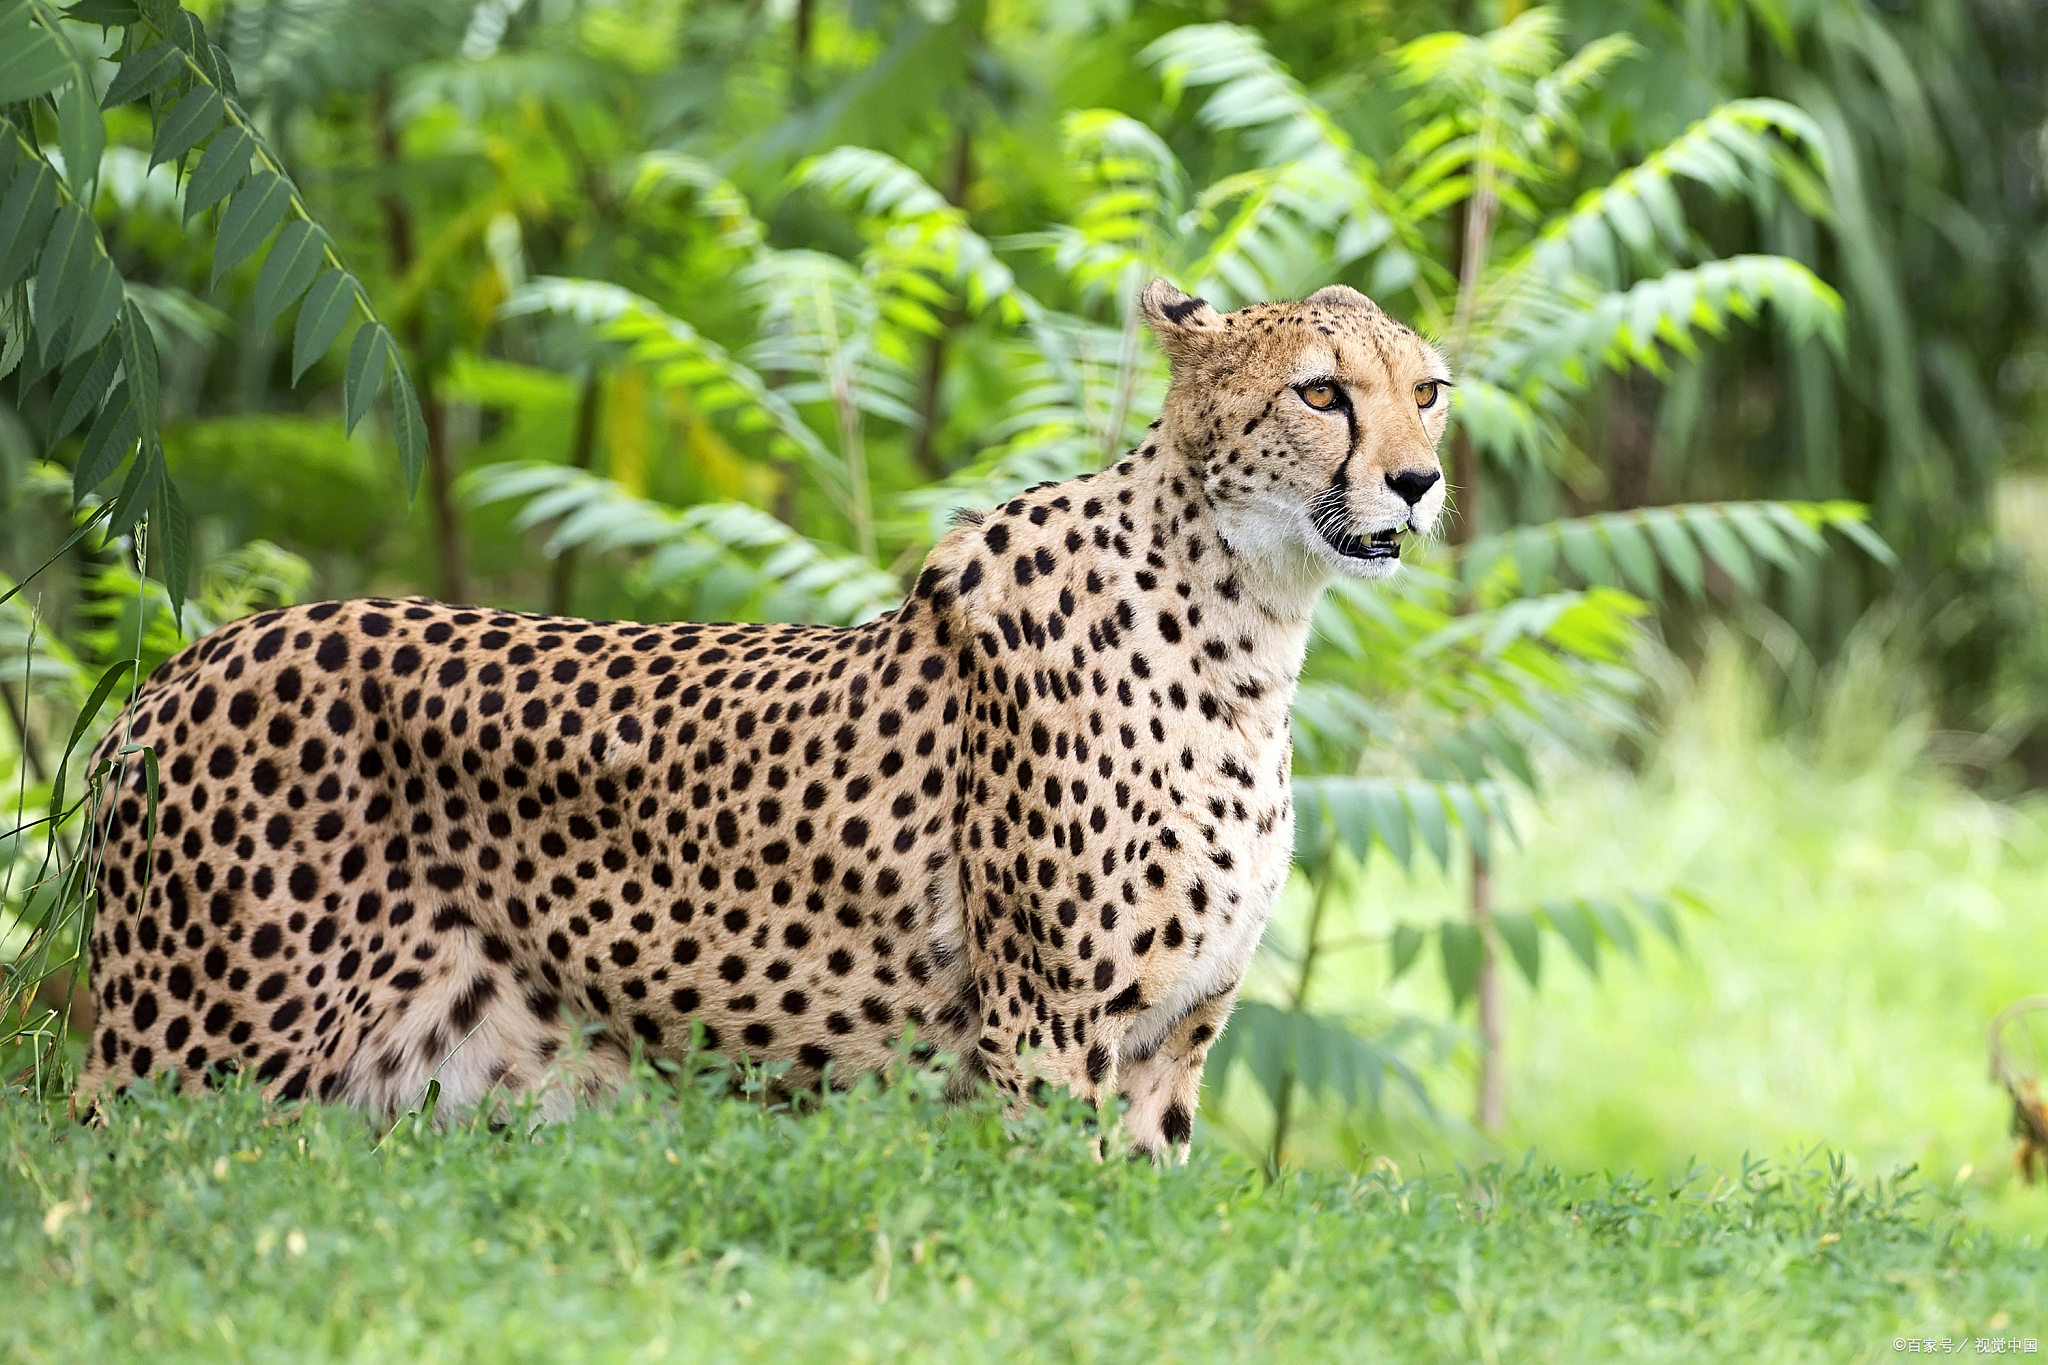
x=1558 y=94
x=723 y=559
x=922 y=231
x=717 y=198
x=1397 y=815
x=1127 y=228
x=1321 y=1054
x=1059 y=419
x=1736 y=150
x=1290 y=229
x=1252 y=92
x=1638 y=549
x=1477 y=69
x=676 y=354
x=1554 y=338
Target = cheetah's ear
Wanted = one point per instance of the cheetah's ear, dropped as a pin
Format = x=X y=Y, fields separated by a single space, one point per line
x=1185 y=326
x=1340 y=296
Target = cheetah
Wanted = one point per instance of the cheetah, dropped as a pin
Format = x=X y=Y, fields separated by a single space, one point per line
x=1038 y=814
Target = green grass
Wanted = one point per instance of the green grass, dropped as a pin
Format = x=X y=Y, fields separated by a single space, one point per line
x=681 y=1226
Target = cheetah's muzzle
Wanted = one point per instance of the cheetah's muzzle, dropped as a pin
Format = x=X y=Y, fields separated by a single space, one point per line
x=1379 y=545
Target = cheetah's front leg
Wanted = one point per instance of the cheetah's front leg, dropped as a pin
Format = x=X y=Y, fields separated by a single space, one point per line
x=1163 y=1084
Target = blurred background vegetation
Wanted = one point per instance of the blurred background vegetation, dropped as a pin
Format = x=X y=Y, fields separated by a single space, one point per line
x=1728 y=686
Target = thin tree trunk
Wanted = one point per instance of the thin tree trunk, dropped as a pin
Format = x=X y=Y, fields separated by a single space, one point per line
x=1283 y=1104
x=923 y=446
x=1490 y=1108
x=17 y=712
x=1492 y=1104
x=451 y=558
x=582 y=450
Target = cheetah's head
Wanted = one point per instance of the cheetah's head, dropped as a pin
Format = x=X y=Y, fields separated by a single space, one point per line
x=1314 y=425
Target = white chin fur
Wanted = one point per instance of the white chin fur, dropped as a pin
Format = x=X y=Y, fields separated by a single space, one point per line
x=1372 y=570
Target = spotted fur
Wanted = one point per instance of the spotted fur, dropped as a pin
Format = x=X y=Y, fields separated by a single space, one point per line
x=1040 y=812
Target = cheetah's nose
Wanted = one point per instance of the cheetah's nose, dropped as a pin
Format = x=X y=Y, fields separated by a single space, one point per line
x=1411 y=484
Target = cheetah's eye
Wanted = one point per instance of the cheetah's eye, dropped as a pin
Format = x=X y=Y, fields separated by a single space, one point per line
x=1321 y=395
x=1427 y=392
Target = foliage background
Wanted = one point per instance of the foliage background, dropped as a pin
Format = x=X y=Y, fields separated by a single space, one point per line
x=716 y=309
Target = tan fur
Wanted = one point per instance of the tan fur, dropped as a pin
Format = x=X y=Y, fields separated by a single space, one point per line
x=1041 y=812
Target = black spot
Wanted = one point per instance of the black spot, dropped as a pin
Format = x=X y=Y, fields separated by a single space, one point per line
x=1175 y=1124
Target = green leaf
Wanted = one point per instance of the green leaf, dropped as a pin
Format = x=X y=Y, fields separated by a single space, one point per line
x=1407 y=945
x=1578 y=930
x=1462 y=953
x=1657 y=910
x=253 y=214
x=1616 y=924
x=197 y=113
x=107 y=443
x=410 y=428
x=25 y=221
x=368 y=357
x=138 y=491
x=1633 y=553
x=289 y=266
x=1426 y=807
x=105 y=13
x=79 y=391
x=138 y=359
x=98 y=307
x=171 y=538
x=1675 y=547
x=327 y=306
x=86 y=714
x=81 y=132
x=224 y=166
x=78 y=533
x=69 y=250
x=1520 y=933
x=1722 y=546
x=1585 y=552
x=1535 y=554
x=143 y=74
x=32 y=59
x=1866 y=539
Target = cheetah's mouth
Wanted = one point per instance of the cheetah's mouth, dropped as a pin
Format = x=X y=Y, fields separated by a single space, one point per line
x=1379 y=545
